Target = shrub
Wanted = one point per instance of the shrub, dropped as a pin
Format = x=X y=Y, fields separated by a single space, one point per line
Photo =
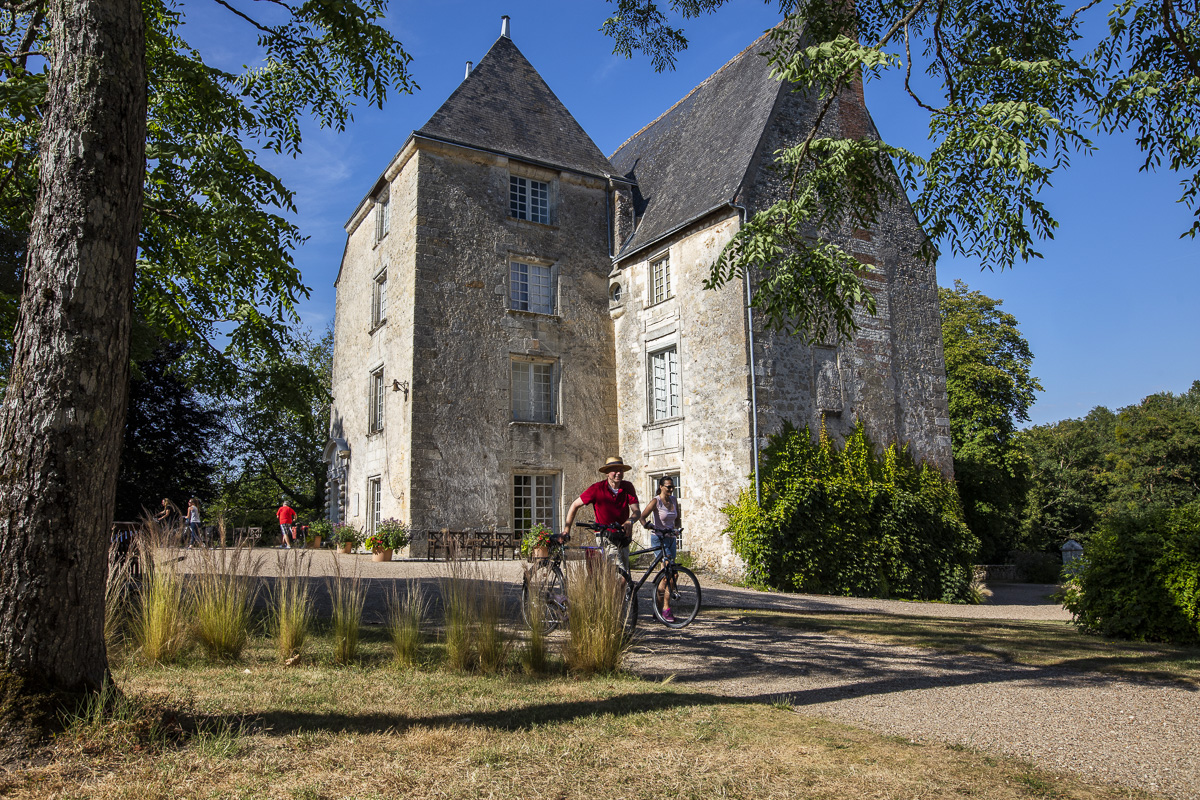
x=847 y=522
x=1140 y=577
x=345 y=534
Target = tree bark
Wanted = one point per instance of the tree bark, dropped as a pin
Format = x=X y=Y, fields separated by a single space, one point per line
x=62 y=417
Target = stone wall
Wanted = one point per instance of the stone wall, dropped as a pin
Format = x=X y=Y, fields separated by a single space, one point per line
x=465 y=446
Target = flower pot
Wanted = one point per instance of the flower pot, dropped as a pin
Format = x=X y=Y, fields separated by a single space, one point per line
x=346 y=548
x=381 y=555
x=314 y=543
x=541 y=552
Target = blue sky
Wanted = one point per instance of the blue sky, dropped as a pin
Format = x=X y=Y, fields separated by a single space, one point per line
x=1109 y=312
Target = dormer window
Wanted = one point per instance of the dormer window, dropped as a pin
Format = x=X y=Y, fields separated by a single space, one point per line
x=528 y=199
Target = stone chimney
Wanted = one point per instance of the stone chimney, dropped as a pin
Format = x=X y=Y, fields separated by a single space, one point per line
x=504 y=27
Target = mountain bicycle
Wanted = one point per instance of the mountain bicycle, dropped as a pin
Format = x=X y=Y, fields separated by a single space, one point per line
x=677 y=583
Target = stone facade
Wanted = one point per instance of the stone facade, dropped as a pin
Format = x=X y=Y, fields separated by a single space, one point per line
x=428 y=422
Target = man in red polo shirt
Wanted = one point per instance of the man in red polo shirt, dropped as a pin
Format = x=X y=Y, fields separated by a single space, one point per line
x=613 y=501
x=286 y=517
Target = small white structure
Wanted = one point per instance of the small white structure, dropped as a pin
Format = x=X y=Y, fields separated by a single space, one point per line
x=1071 y=551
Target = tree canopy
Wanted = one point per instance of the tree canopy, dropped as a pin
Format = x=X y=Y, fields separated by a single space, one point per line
x=215 y=264
x=990 y=390
x=1013 y=89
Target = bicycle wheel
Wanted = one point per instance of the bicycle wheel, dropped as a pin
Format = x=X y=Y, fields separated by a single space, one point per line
x=684 y=600
x=629 y=611
x=545 y=599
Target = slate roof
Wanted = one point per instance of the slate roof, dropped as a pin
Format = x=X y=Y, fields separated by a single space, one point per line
x=504 y=106
x=694 y=158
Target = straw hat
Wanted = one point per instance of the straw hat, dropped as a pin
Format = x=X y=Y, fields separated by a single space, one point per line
x=615 y=463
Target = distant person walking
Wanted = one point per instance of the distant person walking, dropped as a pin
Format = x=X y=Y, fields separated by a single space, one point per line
x=287 y=518
x=193 y=520
x=166 y=518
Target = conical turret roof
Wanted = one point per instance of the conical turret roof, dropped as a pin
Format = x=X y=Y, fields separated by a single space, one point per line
x=504 y=106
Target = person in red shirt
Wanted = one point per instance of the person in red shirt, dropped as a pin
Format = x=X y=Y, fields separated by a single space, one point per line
x=613 y=501
x=286 y=517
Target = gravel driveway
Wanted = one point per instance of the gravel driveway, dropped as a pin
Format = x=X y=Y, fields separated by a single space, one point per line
x=1138 y=733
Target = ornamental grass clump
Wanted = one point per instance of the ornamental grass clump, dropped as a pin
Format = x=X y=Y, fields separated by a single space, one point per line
x=846 y=521
x=158 y=623
x=460 y=608
x=493 y=638
x=405 y=617
x=223 y=590
x=349 y=594
x=291 y=603
x=122 y=556
x=535 y=655
x=598 y=637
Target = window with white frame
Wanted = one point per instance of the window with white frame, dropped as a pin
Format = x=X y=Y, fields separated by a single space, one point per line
x=664 y=384
x=660 y=279
x=379 y=300
x=532 y=390
x=531 y=287
x=533 y=502
x=375 y=400
x=383 y=217
x=528 y=199
x=374 y=503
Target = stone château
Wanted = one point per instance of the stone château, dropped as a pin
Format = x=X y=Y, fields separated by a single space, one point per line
x=513 y=307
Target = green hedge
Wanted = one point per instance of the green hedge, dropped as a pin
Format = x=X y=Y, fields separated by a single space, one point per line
x=1140 y=577
x=844 y=521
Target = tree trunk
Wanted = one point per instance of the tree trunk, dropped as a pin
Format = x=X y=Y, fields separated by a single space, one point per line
x=62 y=417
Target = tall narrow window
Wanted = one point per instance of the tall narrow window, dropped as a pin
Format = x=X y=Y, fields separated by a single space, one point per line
x=374 y=503
x=529 y=199
x=383 y=219
x=660 y=279
x=533 y=501
x=664 y=384
x=375 y=411
x=531 y=287
x=532 y=391
x=379 y=300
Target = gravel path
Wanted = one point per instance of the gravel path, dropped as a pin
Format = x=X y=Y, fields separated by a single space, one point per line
x=1138 y=733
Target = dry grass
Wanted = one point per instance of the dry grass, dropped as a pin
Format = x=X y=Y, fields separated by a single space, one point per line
x=224 y=586
x=535 y=655
x=597 y=640
x=291 y=603
x=1057 y=644
x=321 y=731
x=460 y=608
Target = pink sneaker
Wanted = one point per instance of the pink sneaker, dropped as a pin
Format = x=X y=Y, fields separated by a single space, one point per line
x=667 y=615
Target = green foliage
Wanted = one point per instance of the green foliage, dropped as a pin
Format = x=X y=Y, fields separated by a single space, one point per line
x=1144 y=456
x=537 y=536
x=990 y=390
x=845 y=521
x=170 y=435
x=1140 y=578
x=1010 y=92
x=390 y=534
x=1066 y=493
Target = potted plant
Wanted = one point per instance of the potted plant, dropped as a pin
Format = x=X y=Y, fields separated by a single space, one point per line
x=389 y=535
x=343 y=536
x=536 y=542
x=317 y=533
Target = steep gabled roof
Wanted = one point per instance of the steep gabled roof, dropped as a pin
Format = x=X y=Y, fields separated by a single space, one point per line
x=504 y=106
x=694 y=157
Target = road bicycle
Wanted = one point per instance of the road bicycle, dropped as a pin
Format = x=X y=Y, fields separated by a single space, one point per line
x=546 y=585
